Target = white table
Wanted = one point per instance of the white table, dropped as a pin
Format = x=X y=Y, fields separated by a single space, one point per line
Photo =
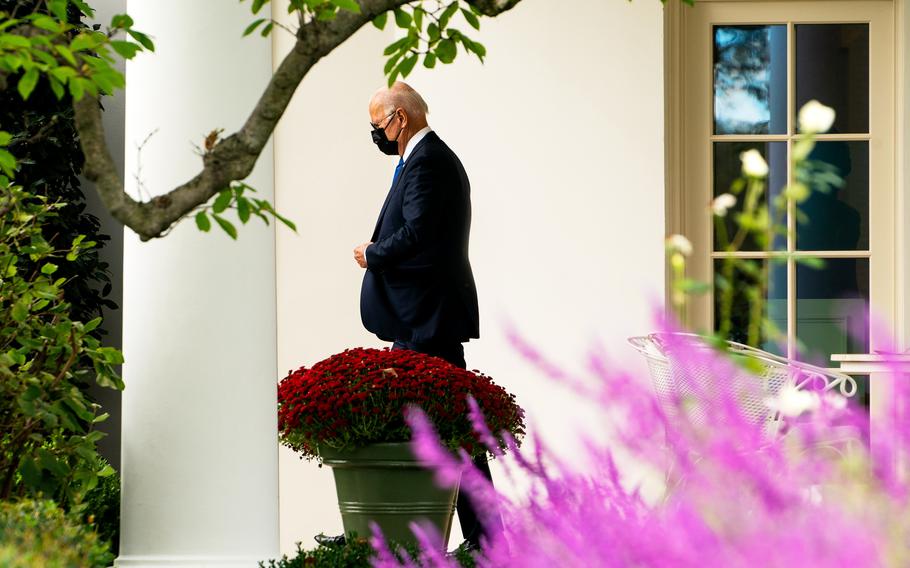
x=883 y=371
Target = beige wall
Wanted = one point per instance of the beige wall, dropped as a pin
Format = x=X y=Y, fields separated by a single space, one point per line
x=561 y=132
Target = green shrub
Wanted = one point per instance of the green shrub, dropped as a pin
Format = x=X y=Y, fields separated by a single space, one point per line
x=102 y=508
x=38 y=534
x=356 y=553
x=48 y=444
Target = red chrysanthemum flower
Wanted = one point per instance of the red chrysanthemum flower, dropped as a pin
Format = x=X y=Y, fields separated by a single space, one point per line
x=359 y=397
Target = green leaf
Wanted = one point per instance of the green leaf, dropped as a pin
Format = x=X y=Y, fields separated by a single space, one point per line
x=49 y=268
x=111 y=355
x=811 y=262
x=77 y=88
x=7 y=162
x=429 y=61
x=477 y=48
x=287 y=222
x=202 y=221
x=446 y=51
x=471 y=19
x=20 y=309
x=402 y=19
x=408 y=65
x=81 y=42
x=258 y=4
x=447 y=15
x=5 y=138
x=243 y=210
x=433 y=32
x=83 y=7
x=48 y=461
x=144 y=40
x=27 y=83
x=381 y=20
x=91 y=325
x=349 y=5
x=107 y=471
x=694 y=287
x=395 y=46
x=222 y=201
x=226 y=226
x=418 y=18
x=66 y=54
x=47 y=23
x=267 y=29
x=252 y=27
x=15 y=41
x=392 y=62
x=121 y=21
x=126 y=49
x=58 y=9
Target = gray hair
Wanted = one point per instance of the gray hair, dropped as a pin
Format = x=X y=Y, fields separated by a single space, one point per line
x=401 y=95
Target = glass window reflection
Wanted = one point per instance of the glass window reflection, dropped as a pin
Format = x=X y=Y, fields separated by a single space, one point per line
x=831 y=309
x=836 y=216
x=750 y=79
x=832 y=66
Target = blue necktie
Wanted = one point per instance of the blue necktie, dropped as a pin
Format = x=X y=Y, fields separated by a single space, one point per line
x=398 y=169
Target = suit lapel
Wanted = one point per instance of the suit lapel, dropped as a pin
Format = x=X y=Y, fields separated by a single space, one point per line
x=404 y=172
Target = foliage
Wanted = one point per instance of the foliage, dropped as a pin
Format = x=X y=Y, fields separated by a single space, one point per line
x=49 y=442
x=425 y=26
x=49 y=46
x=44 y=139
x=666 y=487
x=355 y=553
x=102 y=507
x=38 y=533
x=361 y=396
x=236 y=197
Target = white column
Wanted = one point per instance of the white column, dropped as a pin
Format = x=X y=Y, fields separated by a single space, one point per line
x=200 y=482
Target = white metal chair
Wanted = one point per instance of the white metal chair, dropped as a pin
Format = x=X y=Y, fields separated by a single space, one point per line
x=771 y=372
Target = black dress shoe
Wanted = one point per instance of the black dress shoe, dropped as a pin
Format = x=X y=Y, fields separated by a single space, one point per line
x=331 y=541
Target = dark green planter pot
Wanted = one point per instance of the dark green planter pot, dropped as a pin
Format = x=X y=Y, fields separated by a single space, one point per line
x=385 y=483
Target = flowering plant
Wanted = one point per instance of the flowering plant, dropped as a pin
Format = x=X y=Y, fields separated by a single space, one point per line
x=361 y=396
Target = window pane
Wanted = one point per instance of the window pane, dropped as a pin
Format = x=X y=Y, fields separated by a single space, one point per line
x=837 y=218
x=750 y=79
x=728 y=167
x=831 y=307
x=745 y=277
x=832 y=66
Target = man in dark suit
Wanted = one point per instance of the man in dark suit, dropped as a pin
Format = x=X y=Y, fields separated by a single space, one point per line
x=418 y=290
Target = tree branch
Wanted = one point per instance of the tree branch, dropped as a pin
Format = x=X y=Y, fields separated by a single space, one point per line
x=493 y=8
x=234 y=157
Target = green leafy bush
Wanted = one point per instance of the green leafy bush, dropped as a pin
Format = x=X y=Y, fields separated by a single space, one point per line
x=48 y=445
x=102 y=508
x=40 y=534
x=355 y=553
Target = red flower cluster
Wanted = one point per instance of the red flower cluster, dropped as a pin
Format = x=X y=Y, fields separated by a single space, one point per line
x=359 y=397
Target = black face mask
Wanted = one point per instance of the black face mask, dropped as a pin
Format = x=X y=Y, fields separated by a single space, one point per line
x=386 y=146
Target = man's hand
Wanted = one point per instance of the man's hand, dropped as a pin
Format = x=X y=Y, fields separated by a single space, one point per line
x=359 y=255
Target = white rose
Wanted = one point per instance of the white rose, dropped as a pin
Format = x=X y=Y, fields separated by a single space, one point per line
x=815 y=117
x=680 y=244
x=753 y=164
x=723 y=203
x=792 y=402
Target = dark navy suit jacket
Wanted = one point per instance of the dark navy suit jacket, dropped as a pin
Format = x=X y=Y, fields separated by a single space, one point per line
x=418 y=285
